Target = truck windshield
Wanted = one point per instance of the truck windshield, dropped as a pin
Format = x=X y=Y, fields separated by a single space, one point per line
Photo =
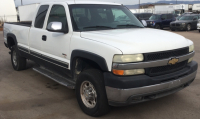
x=102 y=17
x=154 y=17
x=186 y=18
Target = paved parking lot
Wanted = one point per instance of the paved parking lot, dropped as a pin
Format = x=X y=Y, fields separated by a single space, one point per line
x=29 y=95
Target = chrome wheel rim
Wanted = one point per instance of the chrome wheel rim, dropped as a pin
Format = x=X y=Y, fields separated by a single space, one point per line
x=188 y=27
x=88 y=94
x=14 y=58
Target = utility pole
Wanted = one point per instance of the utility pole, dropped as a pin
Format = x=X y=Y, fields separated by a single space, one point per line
x=176 y=1
x=21 y=2
x=139 y=6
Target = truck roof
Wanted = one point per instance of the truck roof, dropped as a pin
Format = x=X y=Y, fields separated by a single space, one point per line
x=71 y=2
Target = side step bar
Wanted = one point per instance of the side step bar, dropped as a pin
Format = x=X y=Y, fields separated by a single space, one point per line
x=57 y=78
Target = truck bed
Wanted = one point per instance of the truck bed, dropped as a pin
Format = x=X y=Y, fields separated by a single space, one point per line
x=28 y=24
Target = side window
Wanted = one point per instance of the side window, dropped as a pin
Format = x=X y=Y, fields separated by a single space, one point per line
x=58 y=14
x=164 y=17
x=39 y=20
x=169 y=16
x=119 y=15
x=195 y=17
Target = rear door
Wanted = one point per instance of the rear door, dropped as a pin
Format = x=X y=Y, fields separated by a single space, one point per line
x=169 y=19
x=164 y=20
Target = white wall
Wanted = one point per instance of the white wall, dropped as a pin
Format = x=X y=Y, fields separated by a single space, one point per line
x=142 y=10
x=8 y=10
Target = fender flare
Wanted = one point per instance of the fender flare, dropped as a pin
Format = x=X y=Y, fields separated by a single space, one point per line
x=90 y=56
x=13 y=37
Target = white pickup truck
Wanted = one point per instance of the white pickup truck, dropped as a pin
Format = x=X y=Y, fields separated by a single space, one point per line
x=103 y=52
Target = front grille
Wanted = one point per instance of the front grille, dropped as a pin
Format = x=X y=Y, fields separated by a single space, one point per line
x=166 y=54
x=178 y=25
x=155 y=71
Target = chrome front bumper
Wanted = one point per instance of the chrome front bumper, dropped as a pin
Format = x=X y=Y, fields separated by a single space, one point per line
x=122 y=95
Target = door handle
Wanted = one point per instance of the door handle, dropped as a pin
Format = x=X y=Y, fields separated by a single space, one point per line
x=44 y=38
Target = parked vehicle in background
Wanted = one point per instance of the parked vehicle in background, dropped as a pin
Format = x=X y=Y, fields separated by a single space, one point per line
x=196 y=8
x=102 y=51
x=142 y=10
x=143 y=16
x=26 y=12
x=187 y=22
x=160 y=21
x=198 y=25
x=176 y=10
x=186 y=13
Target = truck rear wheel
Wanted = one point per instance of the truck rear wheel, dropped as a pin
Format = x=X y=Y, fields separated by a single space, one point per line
x=18 y=62
x=91 y=94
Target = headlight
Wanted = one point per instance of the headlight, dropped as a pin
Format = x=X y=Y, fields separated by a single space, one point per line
x=128 y=72
x=183 y=24
x=191 y=48
x=128 y=58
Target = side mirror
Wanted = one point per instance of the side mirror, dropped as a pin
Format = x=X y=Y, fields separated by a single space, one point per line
x=56 y=27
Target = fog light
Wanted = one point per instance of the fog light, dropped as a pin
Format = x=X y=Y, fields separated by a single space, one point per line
x=190 y=60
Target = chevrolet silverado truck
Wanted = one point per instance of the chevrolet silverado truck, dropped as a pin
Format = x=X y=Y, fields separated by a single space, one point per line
x=102 y=51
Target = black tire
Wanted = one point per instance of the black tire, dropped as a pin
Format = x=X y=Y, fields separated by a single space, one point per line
x=172 y=29
x=158 y=26
x=189 y=27
x=199 y=31
x=95 y=77
x=20 y=62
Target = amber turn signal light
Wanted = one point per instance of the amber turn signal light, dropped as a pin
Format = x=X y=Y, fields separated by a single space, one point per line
x=118 y=72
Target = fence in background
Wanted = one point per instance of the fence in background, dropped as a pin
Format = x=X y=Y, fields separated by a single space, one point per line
x=8 y=18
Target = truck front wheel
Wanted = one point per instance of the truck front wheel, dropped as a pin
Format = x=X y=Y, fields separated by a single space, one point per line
x=91 y=94
x=18 y=62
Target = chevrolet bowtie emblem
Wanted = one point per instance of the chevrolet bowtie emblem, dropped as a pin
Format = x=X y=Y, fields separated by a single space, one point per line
x=173 y=61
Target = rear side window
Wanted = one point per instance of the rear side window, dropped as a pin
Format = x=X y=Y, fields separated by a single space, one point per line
x=169 y=16
x=164 y=16
x=39 y=20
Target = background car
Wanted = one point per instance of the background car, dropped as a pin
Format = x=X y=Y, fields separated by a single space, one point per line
x=198 y=25
x=186 y=13
x=160 y=21
x=187 y=22
x=143 y=16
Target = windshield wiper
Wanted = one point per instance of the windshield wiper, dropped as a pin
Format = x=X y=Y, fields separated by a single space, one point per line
x=129 y=25
x=107 y=27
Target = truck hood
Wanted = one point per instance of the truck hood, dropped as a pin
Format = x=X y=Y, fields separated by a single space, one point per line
x=138 y=40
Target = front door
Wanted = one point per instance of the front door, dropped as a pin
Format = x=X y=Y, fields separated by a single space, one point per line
x=57 y=44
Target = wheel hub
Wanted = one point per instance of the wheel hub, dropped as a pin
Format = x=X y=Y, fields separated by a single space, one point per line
x=14 y=58
x=88 y=94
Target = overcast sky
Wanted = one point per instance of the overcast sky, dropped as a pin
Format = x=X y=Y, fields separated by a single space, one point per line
x=125 y=2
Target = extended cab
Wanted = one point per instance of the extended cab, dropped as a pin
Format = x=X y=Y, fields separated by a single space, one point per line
x=103 y=52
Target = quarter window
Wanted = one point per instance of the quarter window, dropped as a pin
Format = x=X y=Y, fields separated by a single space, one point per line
x=39 y=21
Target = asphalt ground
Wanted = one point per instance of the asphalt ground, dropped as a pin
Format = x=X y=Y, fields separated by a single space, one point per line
x=29 y=95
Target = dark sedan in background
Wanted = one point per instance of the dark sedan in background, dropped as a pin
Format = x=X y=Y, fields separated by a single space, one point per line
x=186 y=22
